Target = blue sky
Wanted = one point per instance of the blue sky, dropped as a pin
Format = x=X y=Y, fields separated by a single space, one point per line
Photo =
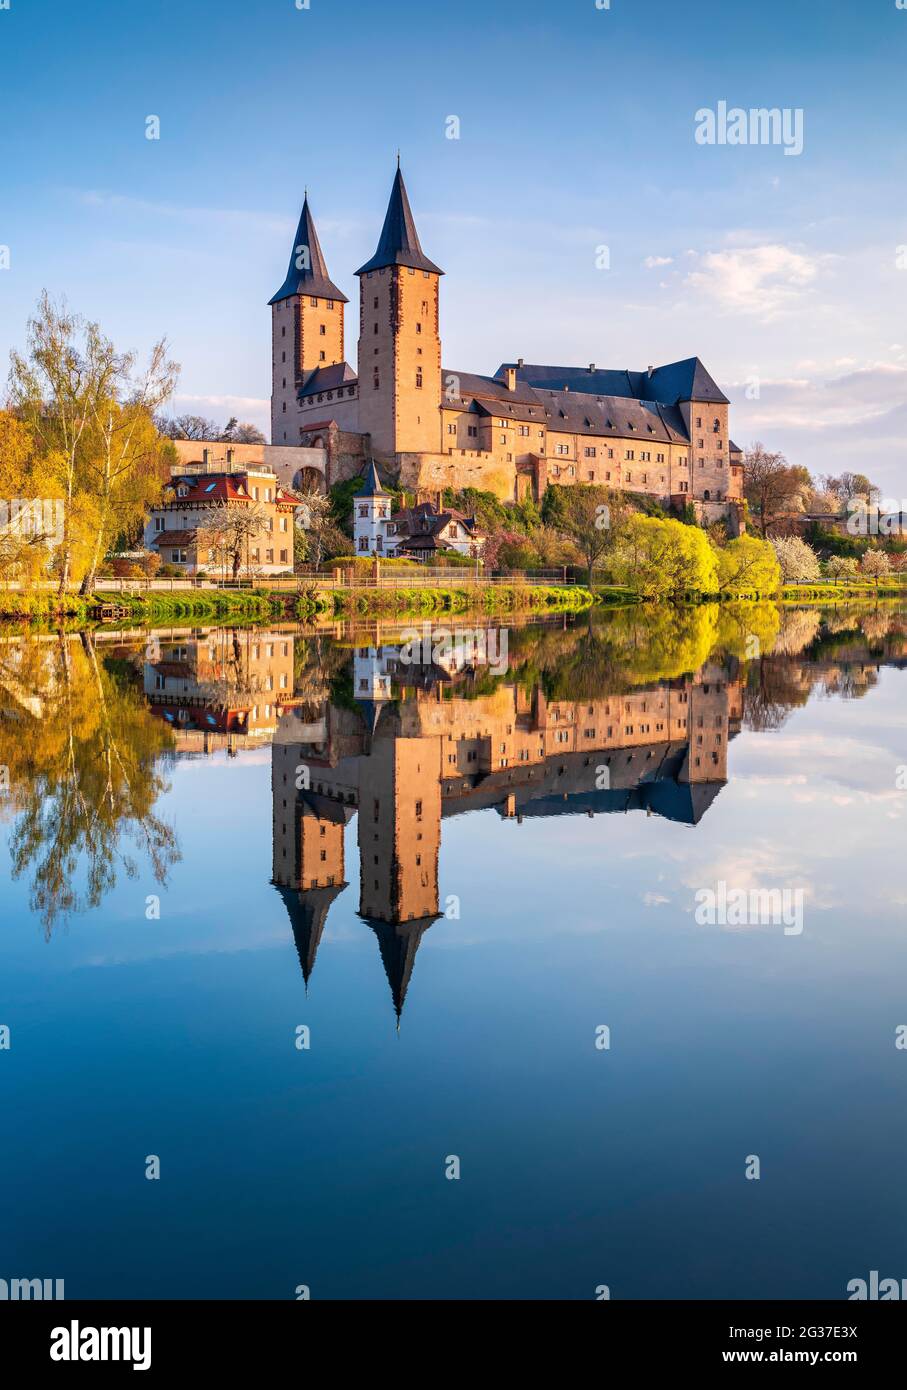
x=576 y=131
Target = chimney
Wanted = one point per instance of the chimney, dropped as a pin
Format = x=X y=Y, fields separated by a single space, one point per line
x=206 y=456
x=519 y=363
x=510 y=378
x=591 y=368
x=230 y=455
x=651 y=369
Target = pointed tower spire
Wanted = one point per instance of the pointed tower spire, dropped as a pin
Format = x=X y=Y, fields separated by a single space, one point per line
x=307 y=272
x=399 y=240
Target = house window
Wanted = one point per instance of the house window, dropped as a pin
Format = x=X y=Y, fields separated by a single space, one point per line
x=158 y=523
x=363 y=542
x=472 y=431
x=283 y=557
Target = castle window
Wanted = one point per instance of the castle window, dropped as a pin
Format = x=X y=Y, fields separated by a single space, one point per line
x=418 y=328
x=283 y=357
x=376 y=383
x=628 y=454
x=425 y=306
x=376 y=302
x=472 y=431
x=451 y=429
x=419 y=378
x=591 y=475
x=284 y=411
x=701 y=443
x=707 y=494
x=330 y=303
x=363 y=511
x=314 y=302
x=610 y=453
x=321 y=357
x=284 y=381
x=503 y=439
x=322 y=330
x=283 y=331
x=699 y=422
x=375 y=329
x=410 y=270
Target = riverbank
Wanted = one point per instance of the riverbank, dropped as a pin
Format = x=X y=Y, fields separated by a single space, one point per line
x=153 y=606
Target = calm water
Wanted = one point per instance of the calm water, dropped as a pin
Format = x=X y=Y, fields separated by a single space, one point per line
x=454 y=872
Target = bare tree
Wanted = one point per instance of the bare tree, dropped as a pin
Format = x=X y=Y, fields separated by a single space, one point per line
x=234 y=529
x=189 y=427
x=771 y=485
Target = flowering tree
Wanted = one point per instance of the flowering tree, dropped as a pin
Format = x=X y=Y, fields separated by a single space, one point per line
x=841 y=567
x=798 y=560
x=875 y=563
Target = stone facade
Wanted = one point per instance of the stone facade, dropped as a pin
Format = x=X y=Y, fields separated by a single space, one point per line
x=663 y=432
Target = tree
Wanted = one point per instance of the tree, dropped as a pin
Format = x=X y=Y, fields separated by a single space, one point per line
x=771 y=485
x=232 y=530
x=315 y=517
x=241 y=433
x=665 y=559
x=798 y=560
x=194 y=427
x=748 y=563
x=875 y=564
x=121 y=467
x=590 y=517
x=68 y=369
x=841 y=567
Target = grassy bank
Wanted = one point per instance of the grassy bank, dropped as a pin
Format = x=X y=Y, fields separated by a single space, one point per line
x=161 y=606
x=492 y=599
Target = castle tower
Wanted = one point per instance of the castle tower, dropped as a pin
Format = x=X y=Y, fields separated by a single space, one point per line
x=399 y=339
x=306 y=327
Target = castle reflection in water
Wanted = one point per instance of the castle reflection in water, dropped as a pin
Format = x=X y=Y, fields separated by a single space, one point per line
x=365 y=731
x=413 y=744
x=403 y=765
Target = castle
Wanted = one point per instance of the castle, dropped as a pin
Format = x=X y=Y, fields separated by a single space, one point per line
x=662 y=432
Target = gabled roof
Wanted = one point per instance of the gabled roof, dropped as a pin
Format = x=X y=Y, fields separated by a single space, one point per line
x=327 y=379
x=312 y=277
x=371 y=483
x=677 y=381
x=399 y=240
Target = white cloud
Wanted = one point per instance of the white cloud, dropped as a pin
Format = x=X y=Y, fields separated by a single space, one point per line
x=652 y=261
x=762 y=281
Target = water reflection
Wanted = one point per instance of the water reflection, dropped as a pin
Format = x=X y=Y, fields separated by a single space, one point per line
x=609 y=714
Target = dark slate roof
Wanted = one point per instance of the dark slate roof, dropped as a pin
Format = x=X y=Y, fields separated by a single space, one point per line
x=572 y=411
x=470 y=384
x=314 y=279
x=371 y=483
x=327 y=379
x=677 y=381
x=399 y=240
